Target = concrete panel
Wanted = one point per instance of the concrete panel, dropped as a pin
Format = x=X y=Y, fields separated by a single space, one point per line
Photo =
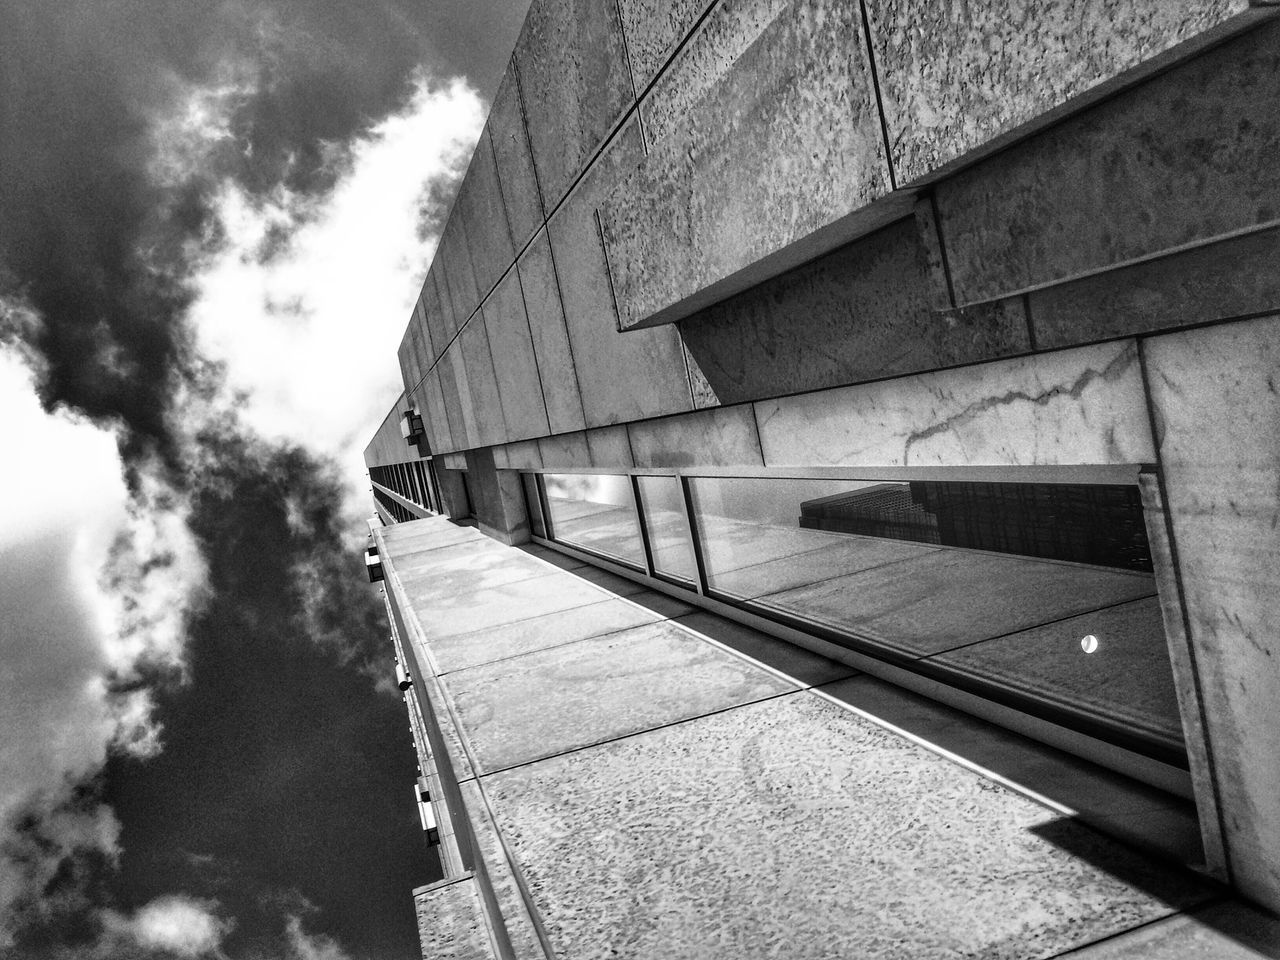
x=622 y=377
x=458 y=273
x=1233 y=278
x=720 y=436
x=519 y=386
x=1075 y=406
x=473 y=610
x=438 y=306
x=784 y=142
x=434 y=414
x=570 y=696
x=828 y=835
x=954 y=76
x=654 y=28
x=573 y=73
x=863 y=312
x=486 y=407
x=451 y=922
x=1216 y=403
x=521 y=456
x=1225 y=931
x=457 y=402
x=550 y=337
x=802 y=666
x=609 y=447
x=510 y=140
x=484 y=215
x=564 y=451
x=1187 y=156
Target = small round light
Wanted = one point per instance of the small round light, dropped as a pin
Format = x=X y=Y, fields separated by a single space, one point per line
x=1089 y=643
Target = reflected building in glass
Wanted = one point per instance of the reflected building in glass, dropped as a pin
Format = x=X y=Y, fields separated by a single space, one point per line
x=831 y=508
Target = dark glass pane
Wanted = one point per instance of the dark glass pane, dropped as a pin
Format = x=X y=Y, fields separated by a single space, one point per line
x=595 y=512
x=668 y=528
x=533 y=505
x=999 y=583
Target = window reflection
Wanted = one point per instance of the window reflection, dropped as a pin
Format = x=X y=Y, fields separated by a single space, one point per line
x=668 y=528
x=595 y=512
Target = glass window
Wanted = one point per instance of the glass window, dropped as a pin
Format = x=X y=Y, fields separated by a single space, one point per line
x=533 y=505
x=1043 y=590
x=668 y=527
x=595 y=512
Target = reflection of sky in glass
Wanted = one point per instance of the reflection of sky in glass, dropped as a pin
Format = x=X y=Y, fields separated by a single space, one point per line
x=668 y=527
x=595 y=511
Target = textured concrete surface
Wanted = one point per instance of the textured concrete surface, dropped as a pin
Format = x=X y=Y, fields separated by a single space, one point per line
x=458 y=417
x=460 y=651
x=1127 y=680
x=653 y=29
x=802 y=666
x=520 y=191
x=458 y=274
x=511 y=346
x=793 y=827
x=950 y=597
x=1228 y=931
x=720 y=436
x=480 y=609
x=954 y=76
x=451 y=921
x=438 y=307
x=1215 y=397
x=627 y=376
x=1233 y=278
x=435 y=418
x=868 y=310
x=550 y=337
x=436 y=575
x=573 y=695
x=482 y=384
x=479 y=204
x=573 y=72
x=609 y=447
x=520 y=930
x=1185 y=157
x=1075 y=406
x=778 y=136
x=565 y=451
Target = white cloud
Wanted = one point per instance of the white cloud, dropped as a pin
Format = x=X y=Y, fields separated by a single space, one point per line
x=96 y=582
x=309 y=334
x=305 y=946
x=176 y=924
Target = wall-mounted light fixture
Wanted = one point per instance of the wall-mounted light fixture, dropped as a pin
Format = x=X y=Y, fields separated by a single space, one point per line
x=403 y=680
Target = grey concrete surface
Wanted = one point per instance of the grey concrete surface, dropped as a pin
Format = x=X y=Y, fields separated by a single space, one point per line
x=565 y=451
x=609 y=447
x=482 y=385
x=480 y=205
x=720 y=436
x=550 y=336
x=653 y=29
x=520 y=193
x=451 y=921
x=511 y=346
x=1227 y=931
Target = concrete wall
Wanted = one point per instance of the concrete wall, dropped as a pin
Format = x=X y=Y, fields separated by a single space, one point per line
x=937 y=234
x=388 y=446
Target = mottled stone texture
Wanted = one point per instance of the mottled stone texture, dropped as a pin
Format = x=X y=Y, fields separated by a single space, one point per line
x=486 y=408
x=1187 y=156
x=457 y=398
x=794 y=828
x=784 y=140
x=609 y=447
x=510 y=139
x=622 y=376
x=573 y=73
x=956 y=74
x=653 y=29
x=1233 y=278
x=551 y=344
x=458 y=275
x=437 y=308
x=510 y=343
x=565 y=450
x=721 y=436
x=864 y=312
x=451 y=921
x=430 y=399
x=1074 y=406
x=1217 y=409
x=1229 y=931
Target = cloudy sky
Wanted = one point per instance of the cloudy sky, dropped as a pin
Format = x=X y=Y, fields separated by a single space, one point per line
x=214 y=218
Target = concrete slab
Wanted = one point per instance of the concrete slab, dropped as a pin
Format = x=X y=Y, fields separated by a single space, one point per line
x=479 y=204
x=482 y=609
x=1126 y=680
x=829 y=835
x=1185 y=157
x=763 y=131
x=629 y=376
x=516 y=369
x=802 y=666
x=520 y=193
x=457 y=398
x=570 y=696
x=950 y=597
x=565 y=451
x=1075 y=406
x=482 y=384
x=1233 y=278
x=451 y=922
x=573 y=72
x=653 y=29
x=437 y=305
x=610 y=447
x=550 y=336
x=870 y=306
x=952 y=80
x=719 y=436
x=1214 y=394
x=435 y=417
x=1224 y=931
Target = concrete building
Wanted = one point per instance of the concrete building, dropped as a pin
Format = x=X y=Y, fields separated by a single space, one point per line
x=833 y=507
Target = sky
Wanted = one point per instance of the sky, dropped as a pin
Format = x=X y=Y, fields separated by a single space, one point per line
x=214 y=221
